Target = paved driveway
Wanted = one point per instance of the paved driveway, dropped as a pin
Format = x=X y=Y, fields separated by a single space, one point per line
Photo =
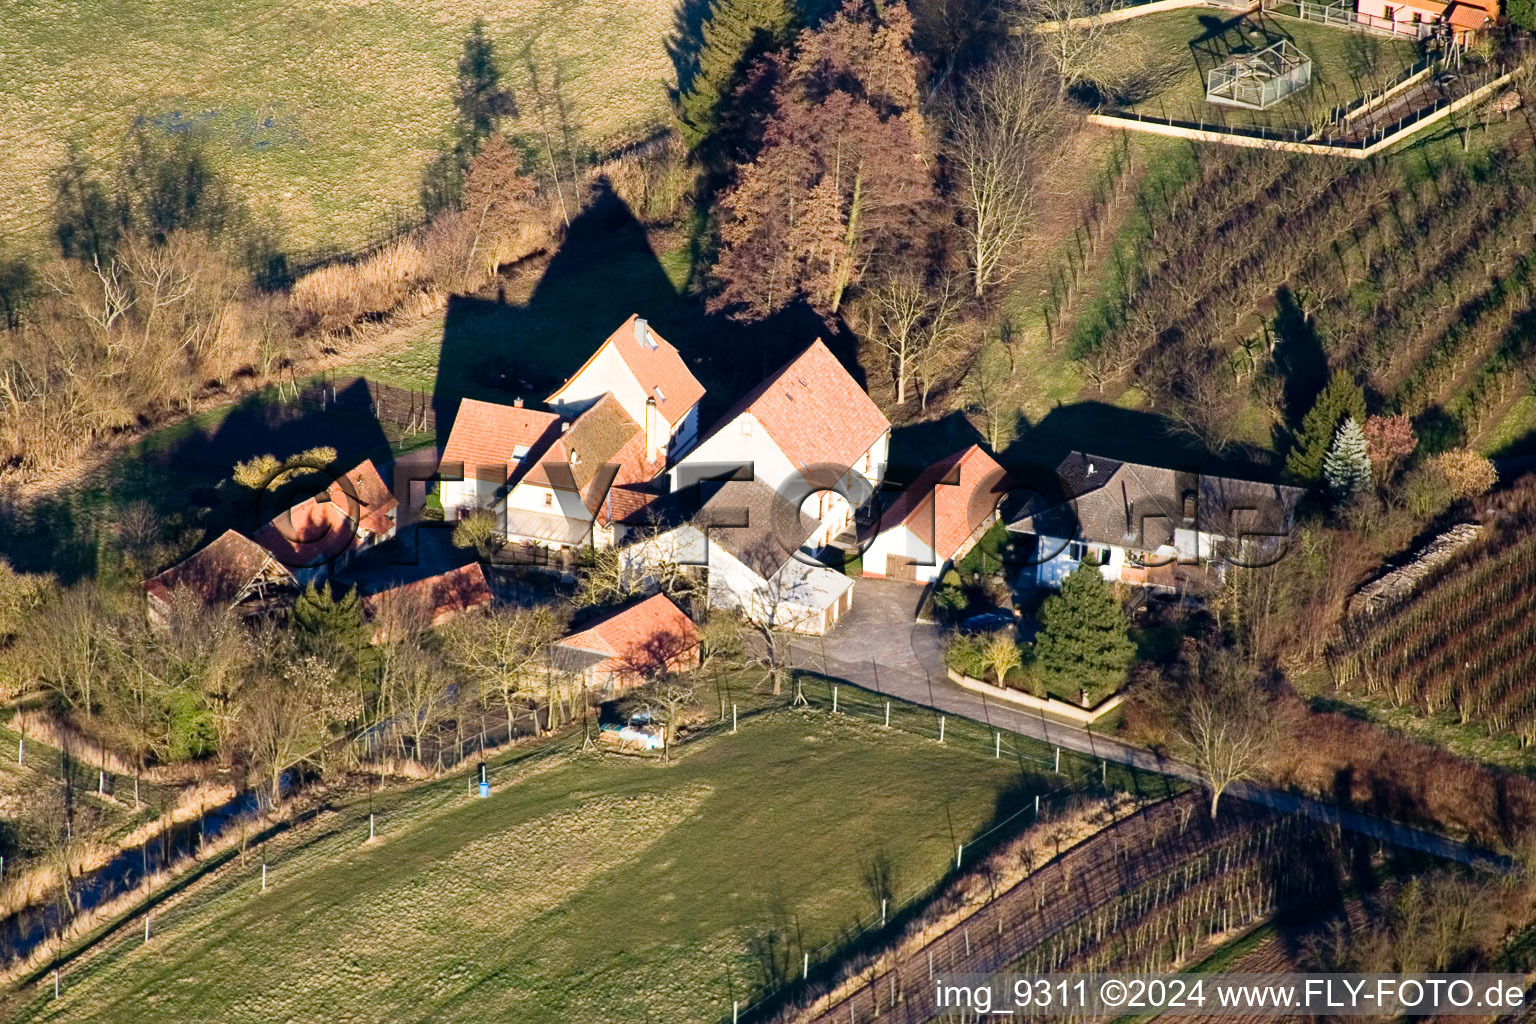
x=881 y=628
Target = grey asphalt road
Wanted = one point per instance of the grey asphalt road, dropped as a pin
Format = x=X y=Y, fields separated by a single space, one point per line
x=878 y=646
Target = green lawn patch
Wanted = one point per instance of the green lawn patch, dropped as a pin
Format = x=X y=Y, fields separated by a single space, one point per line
x=323 y=116
x=1345 y=64
x=592 y=888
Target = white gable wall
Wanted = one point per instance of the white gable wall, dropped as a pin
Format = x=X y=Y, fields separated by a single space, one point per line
x=605 y=372
x=792 y=598
x=551 y=501
x=458 y=496
x=609 y=373
x=901 y=542
x=743 y=440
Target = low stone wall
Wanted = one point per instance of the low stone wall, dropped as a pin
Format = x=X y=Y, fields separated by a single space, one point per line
x=1049 y=705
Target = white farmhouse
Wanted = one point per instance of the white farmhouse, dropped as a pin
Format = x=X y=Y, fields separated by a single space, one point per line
x=1168 y=529
x=650 y=381
x=567 y=497
x=810 y=421
x=758 y=552
x=492 y=445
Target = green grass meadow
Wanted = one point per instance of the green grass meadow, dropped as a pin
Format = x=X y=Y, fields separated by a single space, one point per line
x=322 y=115
x=1345 y=64
x=588 y=887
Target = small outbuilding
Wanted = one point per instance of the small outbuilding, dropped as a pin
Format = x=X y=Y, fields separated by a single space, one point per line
x=625 y=648
x=436 y=599
x=322 y=533
x=234 y=572
x=1257 y=81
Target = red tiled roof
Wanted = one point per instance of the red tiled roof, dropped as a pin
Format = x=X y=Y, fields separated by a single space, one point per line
x=311 y=533
x=966 y=486
x=319 y=529
x=485 y=434
x=446 y=594
x=814 y=411
x=659 y=370
x=640 y=638
x=218 y=572
x=1467 y=16
x=375 y=501
x=625 y=503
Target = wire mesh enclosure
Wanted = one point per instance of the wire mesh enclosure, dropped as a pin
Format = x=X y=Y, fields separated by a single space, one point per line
x=1257 y=81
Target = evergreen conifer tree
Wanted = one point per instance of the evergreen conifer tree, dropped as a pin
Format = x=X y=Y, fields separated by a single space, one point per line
x=1340 y=399
x=1083 y=643
x=335 y=628
x=1347 y=466
x=735 y=33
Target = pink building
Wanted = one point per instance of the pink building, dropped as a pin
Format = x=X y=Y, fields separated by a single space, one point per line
x=1418 y=18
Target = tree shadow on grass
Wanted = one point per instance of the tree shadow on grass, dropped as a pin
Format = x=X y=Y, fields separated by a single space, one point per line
x=1128 y=435
x=1222 y=38
x=605 y=270
x=182 y=474
x=1298 y=356
x=916 y=446
x=262 y=424
x=686 y=41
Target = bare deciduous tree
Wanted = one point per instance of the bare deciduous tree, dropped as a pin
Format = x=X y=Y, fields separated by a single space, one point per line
x=1223 y=718
x=672 y=696
x=909 y=315
x=777 y=607
x=409 y=681
x=1000 y=127
x=506 y=651
x=649 y=561
x=1071 y=37
x=281 y=723
x=988 y=394
x=499 y=205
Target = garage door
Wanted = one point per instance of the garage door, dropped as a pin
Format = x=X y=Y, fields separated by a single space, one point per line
x=898 y=567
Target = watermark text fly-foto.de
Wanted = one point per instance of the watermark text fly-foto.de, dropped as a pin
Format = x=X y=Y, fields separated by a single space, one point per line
x=1049 y=995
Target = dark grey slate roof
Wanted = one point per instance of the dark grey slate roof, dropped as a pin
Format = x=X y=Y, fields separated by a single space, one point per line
x=574 y=660
x=755 y=525
x=1134 y=505
x=745 y=517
